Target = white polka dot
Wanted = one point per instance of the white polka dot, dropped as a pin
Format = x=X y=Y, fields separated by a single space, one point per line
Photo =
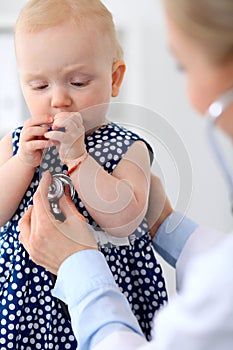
x=10 y=297
x=5 y=245
x=19 y=275
x=3 y=331
x=14 y=286
x=160 y=285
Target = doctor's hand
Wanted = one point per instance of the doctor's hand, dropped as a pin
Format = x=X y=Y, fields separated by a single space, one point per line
x=159 y=207
x=48 y=241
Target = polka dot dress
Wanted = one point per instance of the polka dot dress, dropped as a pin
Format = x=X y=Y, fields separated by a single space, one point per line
x=31 y=318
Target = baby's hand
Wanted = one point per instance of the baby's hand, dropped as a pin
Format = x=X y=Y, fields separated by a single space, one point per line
x=70 y=142
x=32 y=141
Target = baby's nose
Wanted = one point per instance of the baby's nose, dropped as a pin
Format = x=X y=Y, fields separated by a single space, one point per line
x=60 y=98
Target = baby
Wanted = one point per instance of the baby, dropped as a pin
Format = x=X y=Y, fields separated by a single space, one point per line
x=69 y=60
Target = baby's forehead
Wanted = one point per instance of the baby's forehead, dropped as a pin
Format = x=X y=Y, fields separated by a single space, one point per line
x=66 y=43
x=88 y=27
x=79 y=23
x=84 y=30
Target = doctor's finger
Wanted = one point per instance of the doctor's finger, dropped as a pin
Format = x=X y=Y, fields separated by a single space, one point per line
x=68 y=207
x=40 y=198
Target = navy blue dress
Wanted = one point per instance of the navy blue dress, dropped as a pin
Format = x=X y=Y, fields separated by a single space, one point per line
x=31 y=318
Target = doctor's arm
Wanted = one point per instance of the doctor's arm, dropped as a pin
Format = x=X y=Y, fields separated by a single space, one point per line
x=101 y=316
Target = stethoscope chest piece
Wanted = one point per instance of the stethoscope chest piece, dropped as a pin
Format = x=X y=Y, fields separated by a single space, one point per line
x=56 y=191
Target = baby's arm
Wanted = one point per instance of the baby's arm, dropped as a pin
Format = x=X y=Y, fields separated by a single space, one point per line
x=16 y=172
x=117 y=202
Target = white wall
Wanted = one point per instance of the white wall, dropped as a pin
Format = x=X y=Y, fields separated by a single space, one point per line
x=153 y=83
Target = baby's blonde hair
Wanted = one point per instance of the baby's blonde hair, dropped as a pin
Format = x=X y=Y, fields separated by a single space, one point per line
x=37 y=15
x=210 y=22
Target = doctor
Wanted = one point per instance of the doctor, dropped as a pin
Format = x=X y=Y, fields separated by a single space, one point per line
x=200 y=317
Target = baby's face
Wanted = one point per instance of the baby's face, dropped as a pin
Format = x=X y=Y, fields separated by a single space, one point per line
x=65 y=68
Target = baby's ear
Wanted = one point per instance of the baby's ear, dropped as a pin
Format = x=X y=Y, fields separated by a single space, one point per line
x=118 y=71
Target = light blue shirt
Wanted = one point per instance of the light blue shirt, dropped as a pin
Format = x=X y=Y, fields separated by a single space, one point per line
x=170 y=244
x=96 y=306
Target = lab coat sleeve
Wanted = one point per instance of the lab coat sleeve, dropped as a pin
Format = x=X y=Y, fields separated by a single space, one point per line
x=179 y=239
x=201 y=240
x=201 y=315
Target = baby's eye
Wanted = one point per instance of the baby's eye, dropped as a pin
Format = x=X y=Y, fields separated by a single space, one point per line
x=41 y=87
x=79 y=83
x=38 y=85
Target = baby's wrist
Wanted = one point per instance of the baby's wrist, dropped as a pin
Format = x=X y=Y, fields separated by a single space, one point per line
x=24 y=162
x=73 y=164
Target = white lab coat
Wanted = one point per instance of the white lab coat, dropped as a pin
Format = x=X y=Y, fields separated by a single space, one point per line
x=200 y=316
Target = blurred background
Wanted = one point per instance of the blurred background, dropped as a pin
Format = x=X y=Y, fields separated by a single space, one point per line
x=153 y=83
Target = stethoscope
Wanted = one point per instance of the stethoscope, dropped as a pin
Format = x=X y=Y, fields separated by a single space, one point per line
x=57 y=187
x=214 y=112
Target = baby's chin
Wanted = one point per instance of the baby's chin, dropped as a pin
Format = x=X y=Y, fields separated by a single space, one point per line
x=94 y=118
